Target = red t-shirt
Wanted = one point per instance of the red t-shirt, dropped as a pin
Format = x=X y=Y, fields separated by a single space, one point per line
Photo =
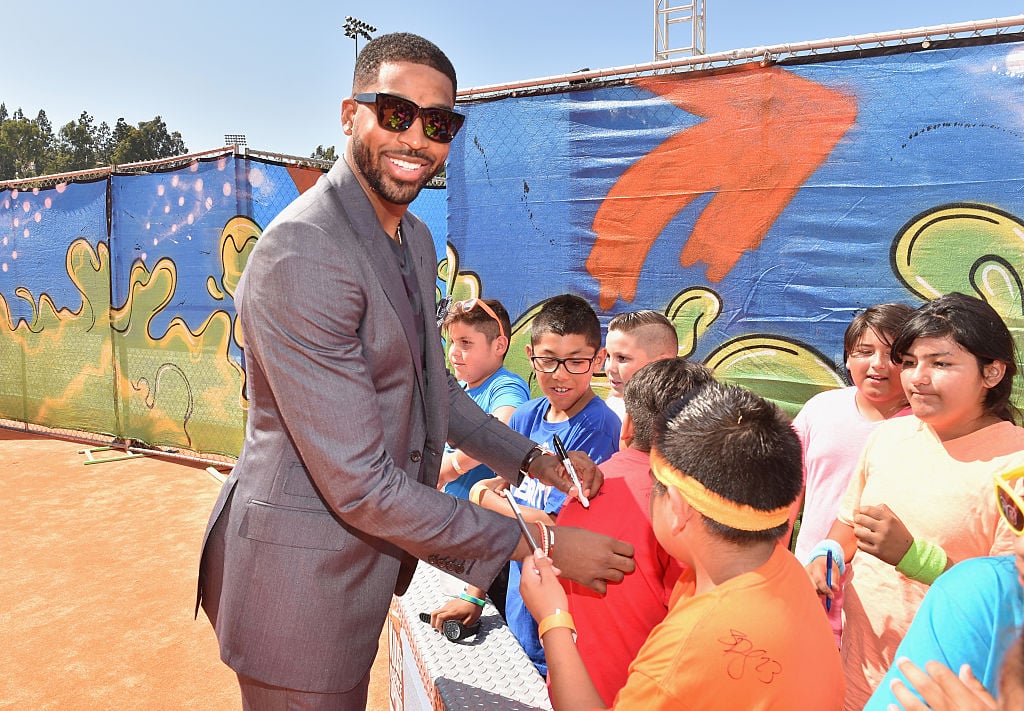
x=611 y=629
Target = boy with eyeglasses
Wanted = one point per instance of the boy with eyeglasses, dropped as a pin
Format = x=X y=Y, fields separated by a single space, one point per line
x=565 y=351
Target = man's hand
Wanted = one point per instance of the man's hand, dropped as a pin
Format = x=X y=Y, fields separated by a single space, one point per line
x=549 y=469
x=881 y=533
x=941 y=689
x=590 y=559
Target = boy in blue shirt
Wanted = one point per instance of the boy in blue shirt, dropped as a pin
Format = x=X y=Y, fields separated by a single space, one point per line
x=565 y=351
x=478 y=338
x=478 y=332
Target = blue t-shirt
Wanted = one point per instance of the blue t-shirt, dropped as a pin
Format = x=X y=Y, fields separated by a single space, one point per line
x=970 y=615
x=594 y=430
x=503 y=389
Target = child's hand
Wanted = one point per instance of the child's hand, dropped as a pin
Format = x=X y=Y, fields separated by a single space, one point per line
x=881 y=533
x=465 y=612
x=539 y=586
x=941 y=689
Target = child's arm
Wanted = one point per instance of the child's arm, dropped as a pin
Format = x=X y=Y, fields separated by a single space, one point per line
x=485 y=493
x=842 y=534
x=456 y=463
x=459 y=608
x=571 y=687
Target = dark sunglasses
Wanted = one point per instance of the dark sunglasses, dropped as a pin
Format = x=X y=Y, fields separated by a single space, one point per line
x=397 y=114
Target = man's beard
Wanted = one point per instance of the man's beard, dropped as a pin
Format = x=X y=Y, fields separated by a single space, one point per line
x=394 y=191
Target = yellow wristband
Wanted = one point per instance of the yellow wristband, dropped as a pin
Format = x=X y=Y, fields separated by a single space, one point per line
x=476 y=494
x=559 y=618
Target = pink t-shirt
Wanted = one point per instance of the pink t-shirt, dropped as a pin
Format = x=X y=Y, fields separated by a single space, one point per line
x=833 y=432
x=943 y=493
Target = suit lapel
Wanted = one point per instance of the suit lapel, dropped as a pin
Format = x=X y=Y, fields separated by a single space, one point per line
x=356 y=207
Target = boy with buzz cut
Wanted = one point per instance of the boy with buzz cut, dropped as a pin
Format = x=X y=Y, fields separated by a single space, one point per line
x=613 y=627
x=564 y=351
x=743 y=630
x=635 y=338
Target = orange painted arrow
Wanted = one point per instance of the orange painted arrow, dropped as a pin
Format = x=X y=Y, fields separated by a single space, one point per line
x=765 y=133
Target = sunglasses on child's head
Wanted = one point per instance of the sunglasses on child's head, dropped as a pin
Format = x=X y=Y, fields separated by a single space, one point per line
x=470 y=304
x=397 y=114
x=1011 y=506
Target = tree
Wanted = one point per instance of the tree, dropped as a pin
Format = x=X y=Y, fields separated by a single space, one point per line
x=22 y=149
x=76 y=145
x=324 y=154
x=149 y=141
x=29 y=147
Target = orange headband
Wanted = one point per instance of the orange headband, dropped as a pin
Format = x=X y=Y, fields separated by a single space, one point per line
x=713 y=506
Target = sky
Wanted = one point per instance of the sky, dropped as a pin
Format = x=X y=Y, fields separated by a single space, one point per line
x=277 y=71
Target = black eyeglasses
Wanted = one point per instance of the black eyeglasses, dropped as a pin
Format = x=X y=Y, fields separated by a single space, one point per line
x=397 y=114
x=576 y=366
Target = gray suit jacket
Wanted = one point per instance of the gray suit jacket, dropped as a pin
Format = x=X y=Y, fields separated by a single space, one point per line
x=333 y=496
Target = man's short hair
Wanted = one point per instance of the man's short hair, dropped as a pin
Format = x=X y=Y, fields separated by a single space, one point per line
x=481 y=320
x=653 y=388
x=653 y=332
x=399 y=47
x=738 y=446
x=567 y=315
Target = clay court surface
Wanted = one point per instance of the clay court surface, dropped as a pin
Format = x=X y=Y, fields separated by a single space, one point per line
x=98 y=582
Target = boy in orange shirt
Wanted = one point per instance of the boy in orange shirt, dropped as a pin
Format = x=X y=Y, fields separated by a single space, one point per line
x=743 y=630
x=614 y=626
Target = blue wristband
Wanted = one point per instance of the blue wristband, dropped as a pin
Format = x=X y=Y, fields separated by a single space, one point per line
x=822 y=549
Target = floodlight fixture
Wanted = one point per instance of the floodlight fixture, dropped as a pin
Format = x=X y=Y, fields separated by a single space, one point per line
x=234 y=139
x=356 y=28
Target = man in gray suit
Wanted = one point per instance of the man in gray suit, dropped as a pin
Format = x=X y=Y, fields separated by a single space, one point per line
x=333 y=497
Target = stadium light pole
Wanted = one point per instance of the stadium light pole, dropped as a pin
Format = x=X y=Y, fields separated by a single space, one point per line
x=357 y=28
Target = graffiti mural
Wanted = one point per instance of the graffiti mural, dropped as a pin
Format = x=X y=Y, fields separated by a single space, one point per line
x=759 y=207
x=117 y=299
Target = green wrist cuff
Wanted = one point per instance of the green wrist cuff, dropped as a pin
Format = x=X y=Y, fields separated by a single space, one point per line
x=475 y=600
x=924 y=562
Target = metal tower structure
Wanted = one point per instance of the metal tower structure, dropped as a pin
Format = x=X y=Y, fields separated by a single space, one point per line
x=666 y=15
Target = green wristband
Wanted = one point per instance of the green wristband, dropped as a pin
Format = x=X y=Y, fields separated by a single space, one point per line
x=923 y=562
x=475 y=600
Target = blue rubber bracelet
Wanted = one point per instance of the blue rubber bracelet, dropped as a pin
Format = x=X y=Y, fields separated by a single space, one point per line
x=821 y=550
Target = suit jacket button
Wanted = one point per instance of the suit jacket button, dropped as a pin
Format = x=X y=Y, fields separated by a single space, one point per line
x=416 y=455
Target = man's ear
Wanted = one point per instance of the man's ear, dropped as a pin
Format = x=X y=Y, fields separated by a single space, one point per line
x=529 y=351
x=348 y=112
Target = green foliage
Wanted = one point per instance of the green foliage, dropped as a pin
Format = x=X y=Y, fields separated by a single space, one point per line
x=322 y=153
x=29 y=148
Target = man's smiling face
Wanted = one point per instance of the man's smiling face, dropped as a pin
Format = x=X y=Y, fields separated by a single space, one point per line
x=396 y=166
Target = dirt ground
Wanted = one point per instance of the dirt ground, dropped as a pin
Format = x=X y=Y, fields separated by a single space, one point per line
x=98 y=583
